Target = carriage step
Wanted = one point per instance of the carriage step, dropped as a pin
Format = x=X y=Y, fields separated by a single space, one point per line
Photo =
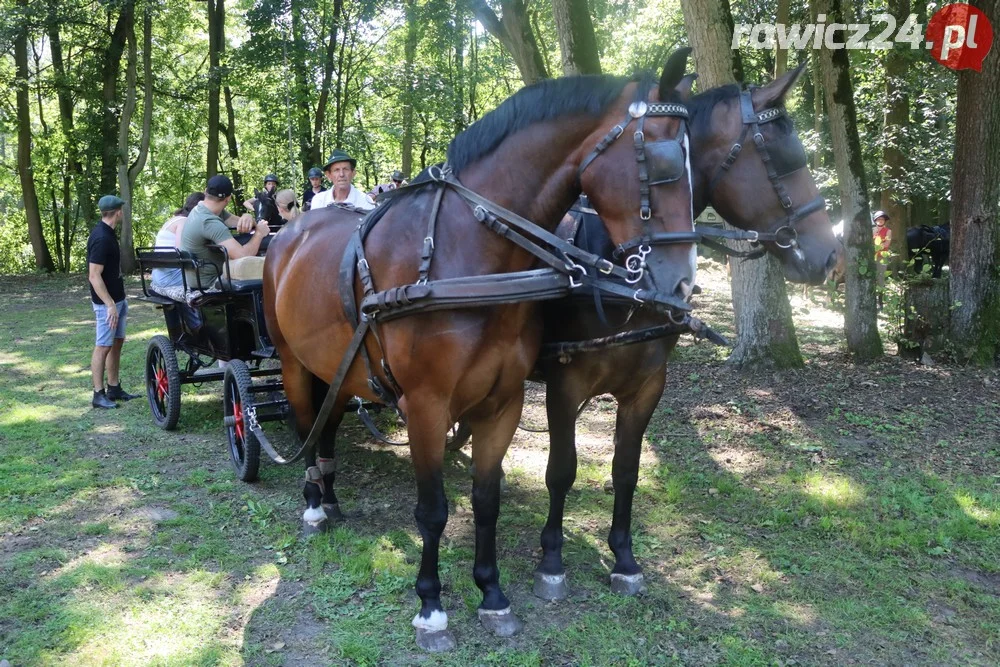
x=264 y=352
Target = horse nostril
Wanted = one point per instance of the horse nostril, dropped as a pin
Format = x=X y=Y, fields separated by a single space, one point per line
x=685 y=289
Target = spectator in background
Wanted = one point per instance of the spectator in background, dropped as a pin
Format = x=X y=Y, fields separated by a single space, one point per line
x=107 y=294
x=398 y=180
x=315 y=187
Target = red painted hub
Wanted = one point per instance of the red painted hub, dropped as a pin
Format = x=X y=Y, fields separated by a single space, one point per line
x=238 y=420
x=162 y=385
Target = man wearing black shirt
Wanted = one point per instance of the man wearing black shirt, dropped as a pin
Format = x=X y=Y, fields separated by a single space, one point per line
x=107 y=292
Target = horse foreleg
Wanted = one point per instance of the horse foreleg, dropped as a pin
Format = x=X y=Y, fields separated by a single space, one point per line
x=490 y=438
x=634 y=412
x=561 y=405
x=428 y=429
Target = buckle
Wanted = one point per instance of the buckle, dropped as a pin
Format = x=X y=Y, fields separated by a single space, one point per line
x=787 y=232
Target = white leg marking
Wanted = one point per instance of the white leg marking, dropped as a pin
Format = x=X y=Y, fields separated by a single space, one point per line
x=437 y=622
x=630 y=578
x=314 y=515
x=552 y=578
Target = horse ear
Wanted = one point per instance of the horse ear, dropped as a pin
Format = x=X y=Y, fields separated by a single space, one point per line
x=684 y=87
x=773 y=94
x=673 y=71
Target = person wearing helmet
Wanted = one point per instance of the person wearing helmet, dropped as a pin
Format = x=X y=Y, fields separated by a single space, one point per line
x=315 y=187
x=882 y=238
x=262 y=204
x=339 y=170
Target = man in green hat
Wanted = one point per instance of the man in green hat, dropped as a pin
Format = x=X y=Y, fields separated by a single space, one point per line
x=107 y=294
x=339 y=170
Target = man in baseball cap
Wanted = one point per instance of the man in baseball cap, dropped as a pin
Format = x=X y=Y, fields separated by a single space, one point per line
x=204 y=228
x=107 y=295
x=314 y=188
x=339 y=170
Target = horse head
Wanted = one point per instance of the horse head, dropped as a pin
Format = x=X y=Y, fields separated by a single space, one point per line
x=750 y=164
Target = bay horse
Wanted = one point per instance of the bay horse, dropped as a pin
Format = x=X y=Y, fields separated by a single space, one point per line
x=748 y=162
x=531 y=156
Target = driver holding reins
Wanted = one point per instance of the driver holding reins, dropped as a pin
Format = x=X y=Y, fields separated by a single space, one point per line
x=339 y=170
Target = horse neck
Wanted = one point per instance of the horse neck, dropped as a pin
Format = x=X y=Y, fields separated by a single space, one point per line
x=534 y=172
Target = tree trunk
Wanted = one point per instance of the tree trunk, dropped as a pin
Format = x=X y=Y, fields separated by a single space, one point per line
x=860 y=319
x=780 y=54
x=764 y=328
x=514 y=32
x=216 y=19
x=409 y=55
x=894 y=193
x=975 y=211
x=234 y=151
x=127 y=174
x=710 y=30
x=817 y=78
x=577 y=42
x=319 y=123
x=109 y=97
x=302 y=87
x=43 y=259
x=458 y=82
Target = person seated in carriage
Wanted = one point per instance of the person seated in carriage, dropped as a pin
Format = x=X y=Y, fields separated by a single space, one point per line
x=339 y=170
x=204 y=228
x=288 y=206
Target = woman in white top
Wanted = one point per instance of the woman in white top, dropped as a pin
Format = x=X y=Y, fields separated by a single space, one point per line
x=168 y=237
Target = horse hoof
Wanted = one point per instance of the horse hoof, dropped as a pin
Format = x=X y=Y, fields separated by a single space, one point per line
x=435 y=641
x=627 y=584
x=310 y=528
x=551 y=586
x=501 y=622
x=333 y=512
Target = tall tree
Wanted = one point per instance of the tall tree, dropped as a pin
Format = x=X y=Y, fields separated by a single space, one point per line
x=897 y=117
x=975 y=218
x=577 y=42
x=329 y=61
x=780 y=54
x=127 y=174
x=513 y=30
x=111 y=109
x=860 y=319
x=764 y=328
x=216 y=26
x=302 y=79
x=458 y=73
x=409 y=55
x=43 y=259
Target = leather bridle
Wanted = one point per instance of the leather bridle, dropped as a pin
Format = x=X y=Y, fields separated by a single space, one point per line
x=782 y=232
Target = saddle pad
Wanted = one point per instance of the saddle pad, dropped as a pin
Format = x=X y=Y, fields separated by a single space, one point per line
x=246 y=268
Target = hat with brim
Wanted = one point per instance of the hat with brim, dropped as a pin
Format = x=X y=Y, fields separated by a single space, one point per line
x=881 y=214
x=340 y=156
x=398 y=176
x=109 y=203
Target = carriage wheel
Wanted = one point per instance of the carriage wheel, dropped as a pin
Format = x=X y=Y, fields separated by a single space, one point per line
x=244 y=450
x=458 y=436
x=163 y=382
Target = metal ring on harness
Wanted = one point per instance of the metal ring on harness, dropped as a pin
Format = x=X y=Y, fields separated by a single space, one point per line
x=635 y=264
x=788 y=231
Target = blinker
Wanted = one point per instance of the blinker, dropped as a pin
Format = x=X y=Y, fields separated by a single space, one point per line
x=666 y=161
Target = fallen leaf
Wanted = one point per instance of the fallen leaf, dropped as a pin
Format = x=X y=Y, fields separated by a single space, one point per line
x=758 y=587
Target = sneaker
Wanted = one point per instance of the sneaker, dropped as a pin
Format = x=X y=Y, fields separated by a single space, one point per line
x=102 y=401
x=116 y=393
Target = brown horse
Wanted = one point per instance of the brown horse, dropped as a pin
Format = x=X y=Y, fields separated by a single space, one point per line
x=756 y=183
x=529 y=156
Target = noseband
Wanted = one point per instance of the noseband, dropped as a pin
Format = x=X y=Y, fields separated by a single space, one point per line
x=780 y=159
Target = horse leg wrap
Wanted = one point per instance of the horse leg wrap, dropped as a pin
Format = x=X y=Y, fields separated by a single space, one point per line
x=315 y=476
x=326 y=466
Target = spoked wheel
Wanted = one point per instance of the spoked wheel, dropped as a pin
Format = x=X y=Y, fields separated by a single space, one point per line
x=237 y=403
x=163 y=382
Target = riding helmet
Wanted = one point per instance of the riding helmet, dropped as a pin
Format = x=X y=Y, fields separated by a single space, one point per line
x=270 y=178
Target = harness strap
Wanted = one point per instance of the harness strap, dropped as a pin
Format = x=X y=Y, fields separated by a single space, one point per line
x=427 y=254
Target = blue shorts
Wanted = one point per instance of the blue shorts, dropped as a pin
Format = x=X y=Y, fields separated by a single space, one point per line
x=105 y=335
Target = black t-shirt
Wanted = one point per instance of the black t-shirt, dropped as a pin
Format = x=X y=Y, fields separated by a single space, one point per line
x=102 y=248
x=307 y=197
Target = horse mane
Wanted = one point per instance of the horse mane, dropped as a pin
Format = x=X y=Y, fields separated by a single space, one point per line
x=700 y=107
x=539 y=102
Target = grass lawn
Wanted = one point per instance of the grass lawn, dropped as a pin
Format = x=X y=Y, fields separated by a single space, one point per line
x=831 y=515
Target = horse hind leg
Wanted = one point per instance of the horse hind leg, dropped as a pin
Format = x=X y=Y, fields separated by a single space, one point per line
x=490 y=438
x=634 y=413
